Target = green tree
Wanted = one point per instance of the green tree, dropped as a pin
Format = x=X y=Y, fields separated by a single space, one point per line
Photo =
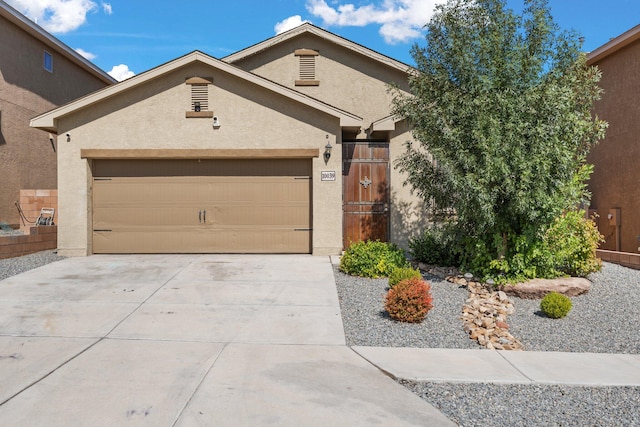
x=500 y=107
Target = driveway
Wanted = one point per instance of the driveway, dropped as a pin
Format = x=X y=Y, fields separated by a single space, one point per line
x=188 y=340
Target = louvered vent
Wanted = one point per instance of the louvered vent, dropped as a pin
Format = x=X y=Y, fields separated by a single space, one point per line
x=307 y=74
x=199 y=97
x=307 y=68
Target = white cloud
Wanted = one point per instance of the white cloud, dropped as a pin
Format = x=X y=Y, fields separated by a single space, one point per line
x=289 y=23
x=90 y=56
x=106 y=8
x=56 y=16
x=121 y=72
x=399 y=20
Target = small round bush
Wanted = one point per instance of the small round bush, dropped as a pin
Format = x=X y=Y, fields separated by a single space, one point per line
x=555 y=305
x=409 y=301
x=372 y=259
x=401 y=273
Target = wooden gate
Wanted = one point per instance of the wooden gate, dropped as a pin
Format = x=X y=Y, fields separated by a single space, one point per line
x=365 y=192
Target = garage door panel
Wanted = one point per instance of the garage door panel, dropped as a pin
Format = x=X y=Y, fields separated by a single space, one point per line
x=204 y=241
x=293 y=215
x=123 y=215
x=202 y=214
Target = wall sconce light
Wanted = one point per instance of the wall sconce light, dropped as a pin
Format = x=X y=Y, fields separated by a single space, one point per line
x=327 y=152
x=68 y=138
x=216 y=122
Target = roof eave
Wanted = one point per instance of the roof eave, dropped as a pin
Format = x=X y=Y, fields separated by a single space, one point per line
x=614 y=45
x=334 y=38
x=22 y=22
x=48 y=121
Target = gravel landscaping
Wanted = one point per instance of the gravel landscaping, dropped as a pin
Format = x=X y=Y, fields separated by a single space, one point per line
x=12 y=266
x=605 y=320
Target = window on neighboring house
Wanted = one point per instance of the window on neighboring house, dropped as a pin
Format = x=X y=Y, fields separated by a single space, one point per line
x=307 y=73
x=48 y=61
x=199 y=96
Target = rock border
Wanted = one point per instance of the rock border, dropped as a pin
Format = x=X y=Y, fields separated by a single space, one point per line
x=484 y=313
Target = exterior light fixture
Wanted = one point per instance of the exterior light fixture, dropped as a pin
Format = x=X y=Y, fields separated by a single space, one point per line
x=216 y=122
x=327 y=152
x=196 y=106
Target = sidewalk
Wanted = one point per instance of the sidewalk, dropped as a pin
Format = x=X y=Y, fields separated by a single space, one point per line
x=505 y=367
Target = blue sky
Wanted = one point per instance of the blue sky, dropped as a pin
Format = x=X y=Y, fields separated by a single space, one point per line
x=136 y=35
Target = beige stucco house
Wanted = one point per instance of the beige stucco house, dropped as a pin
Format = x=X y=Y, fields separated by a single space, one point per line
x=286 y=146
x=37 y=73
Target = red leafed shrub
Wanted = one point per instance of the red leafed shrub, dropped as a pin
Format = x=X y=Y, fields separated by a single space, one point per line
x=409 y=301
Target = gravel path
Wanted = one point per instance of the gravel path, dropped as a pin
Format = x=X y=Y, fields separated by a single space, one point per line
x=606 y=320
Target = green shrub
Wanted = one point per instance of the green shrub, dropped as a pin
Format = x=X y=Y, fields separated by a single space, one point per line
x=555 y=305
x=435 y=247
x=567 y=248
x=372 y=259
x=401 y=273
x=573 y=240
x=409 y=301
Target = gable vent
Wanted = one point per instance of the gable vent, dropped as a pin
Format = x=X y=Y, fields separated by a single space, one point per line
x=307 y=75
x=307 y=68
x=200 y=97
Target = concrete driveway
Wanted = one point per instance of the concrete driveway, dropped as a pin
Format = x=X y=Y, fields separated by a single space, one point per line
x=188 y=340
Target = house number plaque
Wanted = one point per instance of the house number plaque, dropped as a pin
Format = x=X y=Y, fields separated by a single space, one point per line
x=327 y=175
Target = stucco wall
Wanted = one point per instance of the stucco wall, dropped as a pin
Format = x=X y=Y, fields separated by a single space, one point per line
x=352 y=82
x=153 y=116
x=360 y=85
x=27 y=156
x=614 y=183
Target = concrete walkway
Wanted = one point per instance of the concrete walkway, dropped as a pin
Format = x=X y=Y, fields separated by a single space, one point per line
x=506 y=367
x=188 y=340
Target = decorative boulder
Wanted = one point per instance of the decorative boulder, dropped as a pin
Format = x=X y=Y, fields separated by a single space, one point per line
x=538 y=288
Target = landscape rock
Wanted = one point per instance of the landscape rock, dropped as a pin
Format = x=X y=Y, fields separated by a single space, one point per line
x=538 y=288
x=484 y=316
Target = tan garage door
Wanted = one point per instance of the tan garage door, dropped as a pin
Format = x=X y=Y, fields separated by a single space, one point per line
x=207 y=206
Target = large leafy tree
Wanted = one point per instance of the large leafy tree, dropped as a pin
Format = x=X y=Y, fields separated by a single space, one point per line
x=501 y=108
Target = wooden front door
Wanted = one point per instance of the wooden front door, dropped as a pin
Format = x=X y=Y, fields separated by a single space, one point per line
x=365 y=191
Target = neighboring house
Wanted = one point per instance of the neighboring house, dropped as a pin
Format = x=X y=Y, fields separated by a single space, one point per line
x=37 y=73
x=287 y=146
x=615 y=183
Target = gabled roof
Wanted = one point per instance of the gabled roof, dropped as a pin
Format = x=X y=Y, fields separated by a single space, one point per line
x=312 y=29
x=385 y=124
x=48 y=120
x=614 y=45
x=50 y=41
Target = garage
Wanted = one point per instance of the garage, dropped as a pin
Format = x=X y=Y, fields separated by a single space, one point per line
x=201 y=205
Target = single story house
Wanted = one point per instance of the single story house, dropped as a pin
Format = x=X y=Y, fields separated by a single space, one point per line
x=284 y=147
